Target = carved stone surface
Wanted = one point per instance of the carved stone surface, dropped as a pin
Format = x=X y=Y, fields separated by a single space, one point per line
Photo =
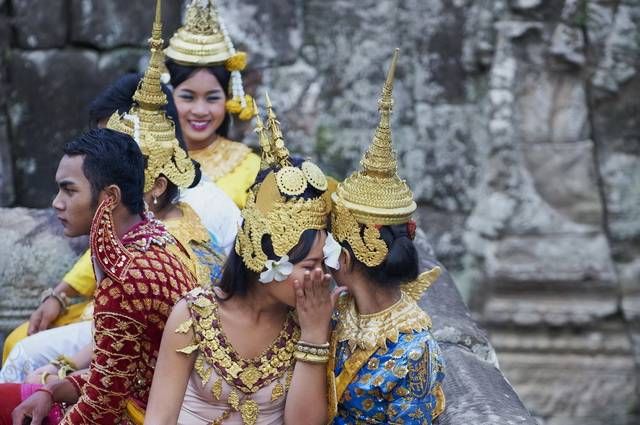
x=552 y=238
x=6 y=163
x=45 y=112
x=34 y=255
x=40 y=24
x=516 y=123
x=117 y=23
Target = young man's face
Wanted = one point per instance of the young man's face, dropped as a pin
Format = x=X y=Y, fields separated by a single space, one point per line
x=73 y=204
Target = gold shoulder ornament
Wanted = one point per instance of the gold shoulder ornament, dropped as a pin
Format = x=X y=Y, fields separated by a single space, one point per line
x=416 y=288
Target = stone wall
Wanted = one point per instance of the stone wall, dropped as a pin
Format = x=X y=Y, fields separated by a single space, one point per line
x=516 y=123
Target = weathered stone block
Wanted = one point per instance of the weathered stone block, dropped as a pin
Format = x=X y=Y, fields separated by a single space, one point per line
x=621 y=176
x=34 y=255
x=564 y=259
x=113 y=23
x=583 y=386
x=444 y=229
x=565 y=177
x=550 y=107
x=619 y=58
x=471 y=364
x=478 y=393
x=40 y=24
x=568 y=43
x=270 y=31
x=45 y=113
x=7 y=194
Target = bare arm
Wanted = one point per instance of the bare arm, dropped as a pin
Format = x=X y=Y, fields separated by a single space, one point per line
x=307 y=397
x=172 y=370
x=50 y=309
x=81 y=359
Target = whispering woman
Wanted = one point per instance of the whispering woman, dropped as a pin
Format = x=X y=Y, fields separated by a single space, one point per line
x=387 y=366
x=242 y=354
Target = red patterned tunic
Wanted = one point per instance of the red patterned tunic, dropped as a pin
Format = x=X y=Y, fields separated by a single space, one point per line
x=143 y=279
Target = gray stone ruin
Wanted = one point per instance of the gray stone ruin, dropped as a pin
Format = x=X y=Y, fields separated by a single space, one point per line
x=516 y=123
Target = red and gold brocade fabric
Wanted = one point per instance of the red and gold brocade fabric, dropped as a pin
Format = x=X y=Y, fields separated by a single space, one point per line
x=143 y=279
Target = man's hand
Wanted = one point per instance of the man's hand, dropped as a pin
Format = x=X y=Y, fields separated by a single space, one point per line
x=44 y=315
x=36 y=407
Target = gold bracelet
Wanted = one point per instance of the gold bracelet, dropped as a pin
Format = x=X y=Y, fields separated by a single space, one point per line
x=60 y=297
x=310 y=358
x=309 y=344
x=313 y=349
x=64 y=371
x=64 y=361
x=43 y=378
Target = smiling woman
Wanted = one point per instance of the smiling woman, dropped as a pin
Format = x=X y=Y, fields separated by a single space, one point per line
x=205 y=74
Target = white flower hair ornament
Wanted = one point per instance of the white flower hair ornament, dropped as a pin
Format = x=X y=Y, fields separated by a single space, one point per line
x=331 y=251
x=276 y=270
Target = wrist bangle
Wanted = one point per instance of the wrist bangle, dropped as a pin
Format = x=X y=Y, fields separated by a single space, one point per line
x=310 y=358
x=43 y=377
x=45 y=390
x=312 y=345
x=60 y=297
x=315 y=350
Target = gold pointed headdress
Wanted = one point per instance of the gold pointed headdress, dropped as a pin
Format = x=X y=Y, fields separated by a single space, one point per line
x=203 y=40
x=375 y=195
x=275 y=206
x=148 y=124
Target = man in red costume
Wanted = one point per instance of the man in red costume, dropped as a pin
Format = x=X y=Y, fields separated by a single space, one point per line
x=100 y=180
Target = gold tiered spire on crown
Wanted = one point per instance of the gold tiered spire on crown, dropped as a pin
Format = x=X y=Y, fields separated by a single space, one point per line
x=274 y=207
x=375 y=195
x=203 y=40
x=148 y=124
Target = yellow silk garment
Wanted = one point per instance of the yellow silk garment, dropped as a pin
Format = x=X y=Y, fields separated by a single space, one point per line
x=80 y=278
x=188 y=230
x=231 y=165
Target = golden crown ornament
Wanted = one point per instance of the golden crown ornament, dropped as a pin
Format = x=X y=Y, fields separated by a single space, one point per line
x=274 y=207
x=203 y=40
x=374 y=195
x=148 y=124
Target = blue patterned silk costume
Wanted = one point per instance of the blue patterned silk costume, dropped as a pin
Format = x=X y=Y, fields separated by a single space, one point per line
x=396 y=370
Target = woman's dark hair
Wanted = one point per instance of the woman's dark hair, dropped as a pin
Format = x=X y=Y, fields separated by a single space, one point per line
x=236 y=277
x=172 y=192
x=401 y=263
x=111 y=157
x=180 y=73
x=118 y=96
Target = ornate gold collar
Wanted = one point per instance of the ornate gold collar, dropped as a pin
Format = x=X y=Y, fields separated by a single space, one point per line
x=187 y=228
x=367 y=331
x=221 y=157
